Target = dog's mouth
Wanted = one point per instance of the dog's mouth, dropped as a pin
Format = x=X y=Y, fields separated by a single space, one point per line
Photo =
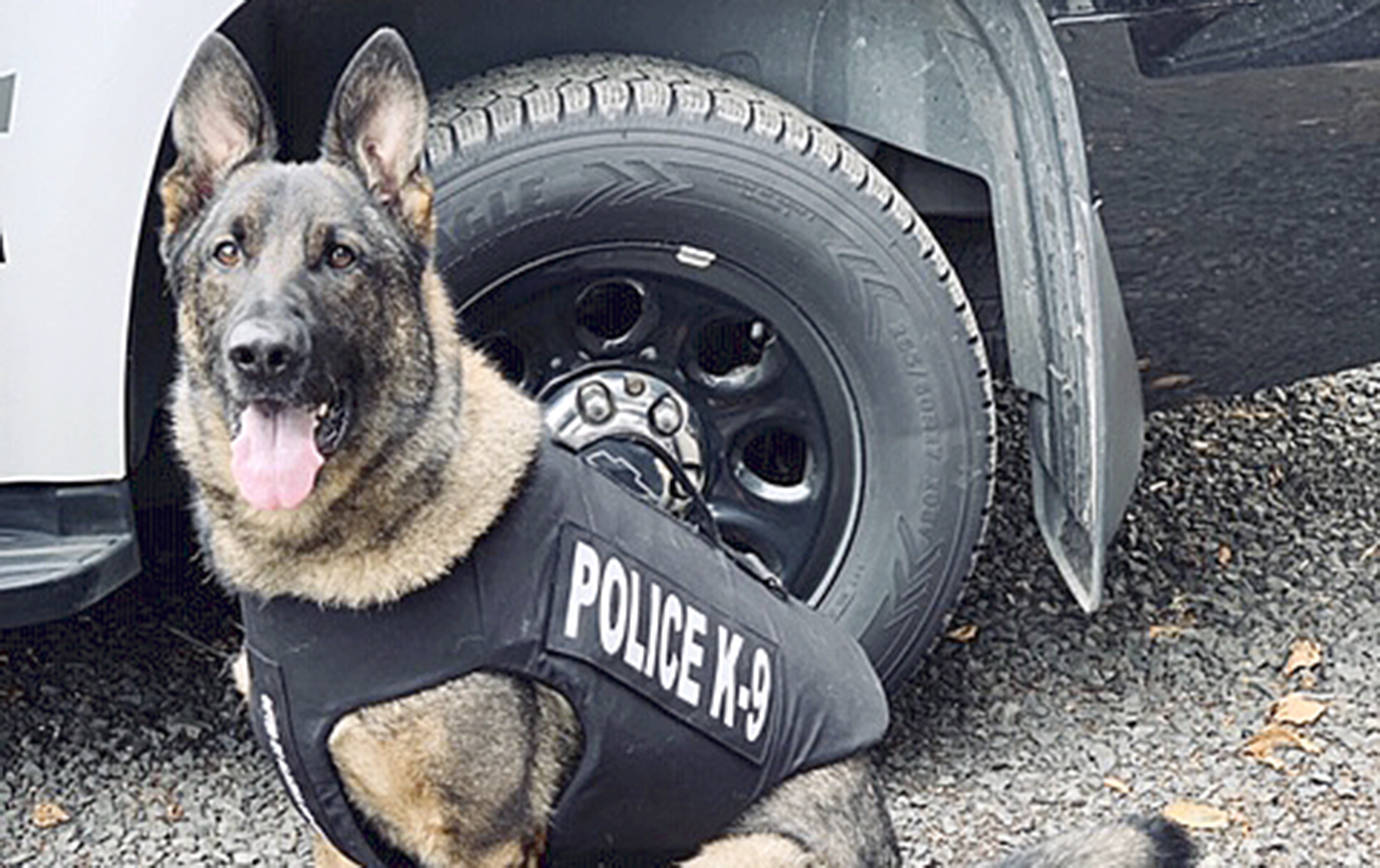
x=279 y=447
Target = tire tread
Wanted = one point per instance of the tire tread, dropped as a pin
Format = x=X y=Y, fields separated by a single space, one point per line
x=501 y=102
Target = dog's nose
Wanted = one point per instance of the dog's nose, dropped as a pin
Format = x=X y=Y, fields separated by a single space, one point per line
x=264 y=349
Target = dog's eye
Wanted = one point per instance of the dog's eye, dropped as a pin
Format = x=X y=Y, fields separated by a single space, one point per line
x=340 y=256
x=227 y=253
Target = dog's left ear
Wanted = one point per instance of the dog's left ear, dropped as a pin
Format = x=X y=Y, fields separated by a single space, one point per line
x=377 y=127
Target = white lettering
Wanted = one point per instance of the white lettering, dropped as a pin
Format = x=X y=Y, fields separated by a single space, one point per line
x=275 y=745
x=726 y=676
x=761 y=694
x=691 y=654
x=584 y=586
x=653 y=622
x=635 y=651
x=613 y=628
x=667 y=664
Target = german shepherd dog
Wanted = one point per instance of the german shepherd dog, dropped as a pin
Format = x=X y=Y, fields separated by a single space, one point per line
x=347 y=448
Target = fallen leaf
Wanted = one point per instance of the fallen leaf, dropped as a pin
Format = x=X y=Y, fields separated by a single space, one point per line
x=1262 y=745
x=1303 y=654
x=1117 y=784
x=47 y=815
x=966 y=633
x=1169 y=630
x=1143 y=363
x=1196 y=815
x=1296 y=708
x=1274 y=762
x=174 y=812
x=1371 y=552
x=1171 y=381
x=1223 y=554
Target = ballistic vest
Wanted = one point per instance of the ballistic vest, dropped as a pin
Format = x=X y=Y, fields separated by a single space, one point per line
x=697 y=689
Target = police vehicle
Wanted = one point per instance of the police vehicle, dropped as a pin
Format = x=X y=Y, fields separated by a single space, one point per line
x=791 y=319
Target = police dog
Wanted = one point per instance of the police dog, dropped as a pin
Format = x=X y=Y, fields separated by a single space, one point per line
x=347 y=448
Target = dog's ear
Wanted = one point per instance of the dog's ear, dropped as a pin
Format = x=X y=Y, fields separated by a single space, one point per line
x=220 y=120
x=377 y=127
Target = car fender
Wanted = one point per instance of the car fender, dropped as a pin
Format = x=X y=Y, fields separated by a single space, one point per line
x=90 y=84
x=992 y=95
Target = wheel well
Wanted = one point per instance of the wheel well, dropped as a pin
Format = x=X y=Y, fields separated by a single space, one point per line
x=793 y=55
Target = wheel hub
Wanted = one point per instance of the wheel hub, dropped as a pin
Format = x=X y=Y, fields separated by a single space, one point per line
x=630 y=424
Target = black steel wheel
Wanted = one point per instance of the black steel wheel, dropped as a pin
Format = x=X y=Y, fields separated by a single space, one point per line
x=706 y=287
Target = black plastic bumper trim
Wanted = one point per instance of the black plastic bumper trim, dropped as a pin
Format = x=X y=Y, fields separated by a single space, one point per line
x=63 y=548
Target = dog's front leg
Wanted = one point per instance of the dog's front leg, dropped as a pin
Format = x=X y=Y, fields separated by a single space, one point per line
x=832 y=816
x=751 y=851
x=325 y=856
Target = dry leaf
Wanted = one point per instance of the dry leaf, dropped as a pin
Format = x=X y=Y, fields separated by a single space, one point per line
x=1303 y=654
x=47 y=815
x=1171 y=381
x=1223 y=554
x=1117 y=784
x=1274 y=736
x=1296 y=708
x=1371 y=552
x=1158 y=630
x=966 y=633
x=1196 y=815
x=1262 y=745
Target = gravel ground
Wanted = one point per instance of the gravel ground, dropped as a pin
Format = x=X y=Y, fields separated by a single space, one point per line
x=1255 y=524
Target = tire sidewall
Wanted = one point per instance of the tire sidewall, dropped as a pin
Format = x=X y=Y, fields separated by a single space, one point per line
x=876 y=300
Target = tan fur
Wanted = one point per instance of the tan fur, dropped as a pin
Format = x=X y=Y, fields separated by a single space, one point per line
x=383 y=766
x=415 y=203
x=323 y=855
x=495 y=439
x=468 y=772
x=751 y=851
x=178 y=196
x=438 y=771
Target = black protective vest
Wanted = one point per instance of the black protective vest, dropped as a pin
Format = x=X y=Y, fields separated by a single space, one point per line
x=696 y=688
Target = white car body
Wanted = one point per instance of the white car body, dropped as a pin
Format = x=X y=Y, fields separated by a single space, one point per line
x=92 y=84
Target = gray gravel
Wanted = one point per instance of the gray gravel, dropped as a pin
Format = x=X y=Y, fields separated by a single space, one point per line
x=124 y=719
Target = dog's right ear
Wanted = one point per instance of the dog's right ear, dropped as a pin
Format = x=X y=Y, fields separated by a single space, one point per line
x=220 y=120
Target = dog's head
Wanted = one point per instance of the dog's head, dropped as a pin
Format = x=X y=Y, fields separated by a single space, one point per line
x=302 y=316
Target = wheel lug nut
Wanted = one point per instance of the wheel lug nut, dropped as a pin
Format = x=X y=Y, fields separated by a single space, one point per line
x=759 y=333
x=595 y=403
x=666 y=416
x=634 y=385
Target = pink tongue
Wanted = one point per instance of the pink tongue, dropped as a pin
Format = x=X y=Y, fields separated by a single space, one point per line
x=274 y=459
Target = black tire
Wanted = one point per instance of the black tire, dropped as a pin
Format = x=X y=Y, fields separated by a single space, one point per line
x=547 y=168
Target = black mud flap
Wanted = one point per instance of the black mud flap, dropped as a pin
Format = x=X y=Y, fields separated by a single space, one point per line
x=1086 y=429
